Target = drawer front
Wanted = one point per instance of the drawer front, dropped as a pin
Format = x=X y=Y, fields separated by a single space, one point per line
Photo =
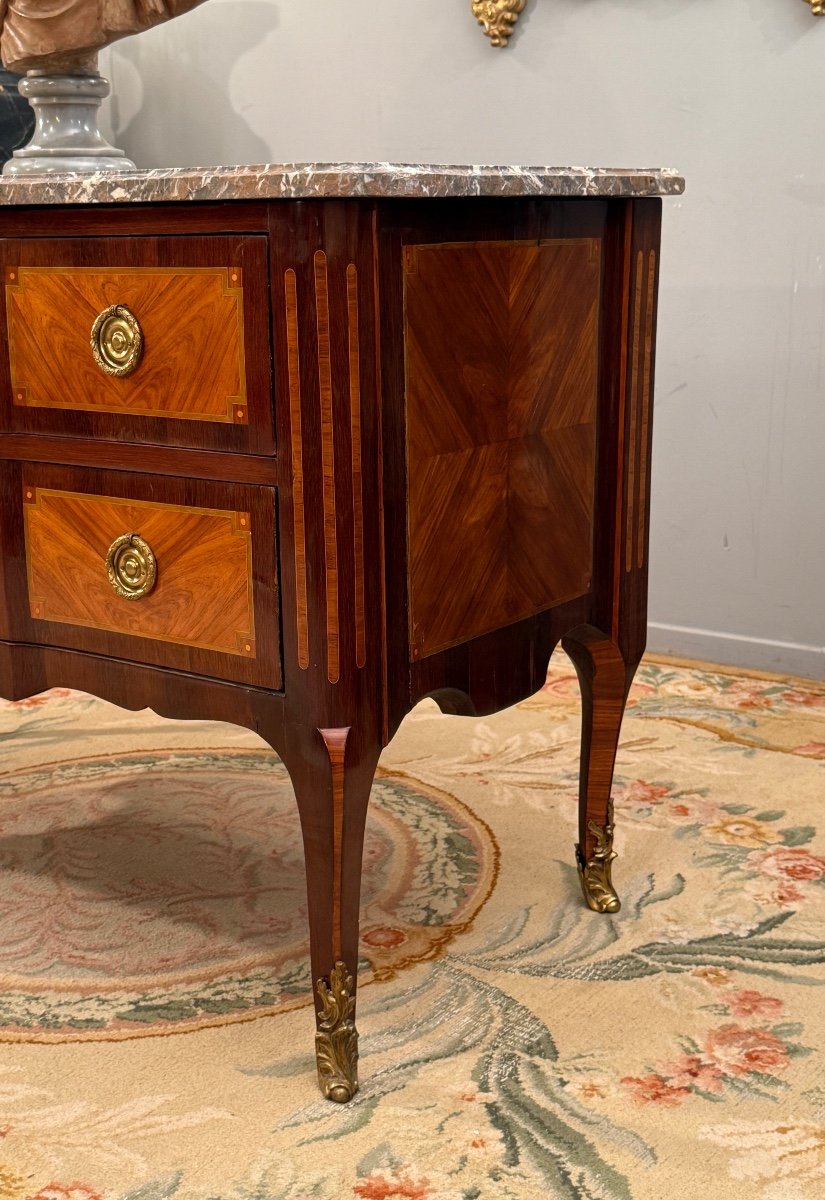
x=145 y=339
x=178 y=574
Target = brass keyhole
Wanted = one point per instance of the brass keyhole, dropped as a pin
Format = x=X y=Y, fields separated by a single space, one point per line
x=131 y=567
x=117 y=340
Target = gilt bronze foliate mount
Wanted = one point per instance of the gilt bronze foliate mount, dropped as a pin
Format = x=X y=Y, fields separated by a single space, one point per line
x=336 y=1039
x=498 y=18
x=595 y=871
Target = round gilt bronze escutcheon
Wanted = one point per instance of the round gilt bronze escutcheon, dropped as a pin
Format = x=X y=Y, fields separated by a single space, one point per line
x=131 y=567
x=117 y=340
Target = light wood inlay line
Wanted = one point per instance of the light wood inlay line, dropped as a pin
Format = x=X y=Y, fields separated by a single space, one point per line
x=632 y=450
x=357 y=474
x=299 y=519
x=328 y=464
x=618 y=524
x=379 y=475
x=646 y=409
x=335 y=741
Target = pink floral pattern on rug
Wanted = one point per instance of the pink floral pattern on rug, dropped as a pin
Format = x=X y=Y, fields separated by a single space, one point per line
x=746 y=1055
x=534 y=1050
x=138 y=894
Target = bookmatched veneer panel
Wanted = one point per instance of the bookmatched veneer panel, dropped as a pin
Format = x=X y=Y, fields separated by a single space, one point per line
x=501 y=387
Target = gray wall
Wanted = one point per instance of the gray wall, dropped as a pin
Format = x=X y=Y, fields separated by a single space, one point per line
x=731 y=93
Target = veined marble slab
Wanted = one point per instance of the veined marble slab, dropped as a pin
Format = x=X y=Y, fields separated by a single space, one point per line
x=304 y=181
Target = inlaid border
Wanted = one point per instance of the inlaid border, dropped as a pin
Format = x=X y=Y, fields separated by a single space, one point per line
x=357 y=472
x=640 y=409
x=328 y=464
x=644 y=453
x=231 y=279
x=299 y=512
x=330 y=378
x=634 y=413
x=240 y=526
x=335 y=741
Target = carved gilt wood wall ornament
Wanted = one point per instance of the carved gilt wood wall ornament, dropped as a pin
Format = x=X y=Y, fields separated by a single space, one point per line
x=498 y=18
x=817 y=7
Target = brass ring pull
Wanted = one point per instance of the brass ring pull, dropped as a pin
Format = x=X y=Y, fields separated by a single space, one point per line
x=131 y=567
x=117 y=341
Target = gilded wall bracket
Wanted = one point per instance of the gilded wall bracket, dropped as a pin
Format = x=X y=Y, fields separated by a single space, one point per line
x=817 y=7
x=498 y=18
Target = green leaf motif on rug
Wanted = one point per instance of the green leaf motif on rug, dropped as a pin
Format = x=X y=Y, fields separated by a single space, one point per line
x=160 y=1189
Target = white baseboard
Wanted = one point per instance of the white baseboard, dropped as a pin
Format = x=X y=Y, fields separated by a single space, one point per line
x=760 y=654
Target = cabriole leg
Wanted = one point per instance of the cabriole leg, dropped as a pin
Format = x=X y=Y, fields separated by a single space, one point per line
x=332 y=788
x=604 y=680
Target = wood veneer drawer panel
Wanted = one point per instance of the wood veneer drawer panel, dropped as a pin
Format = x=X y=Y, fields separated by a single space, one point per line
x=193 y=588
x=186 y=317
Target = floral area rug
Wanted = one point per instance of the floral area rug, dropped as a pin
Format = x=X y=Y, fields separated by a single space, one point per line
x=155 y=1019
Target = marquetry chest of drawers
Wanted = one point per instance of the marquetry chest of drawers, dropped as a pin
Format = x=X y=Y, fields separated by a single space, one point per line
x=294 y=448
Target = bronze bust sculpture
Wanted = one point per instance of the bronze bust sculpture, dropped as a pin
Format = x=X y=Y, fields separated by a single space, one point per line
x=65 y=35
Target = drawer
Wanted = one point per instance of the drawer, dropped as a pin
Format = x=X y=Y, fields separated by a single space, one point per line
x=175 y=573
x=142 y=339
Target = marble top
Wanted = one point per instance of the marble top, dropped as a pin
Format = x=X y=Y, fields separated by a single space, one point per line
x=298 y=181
